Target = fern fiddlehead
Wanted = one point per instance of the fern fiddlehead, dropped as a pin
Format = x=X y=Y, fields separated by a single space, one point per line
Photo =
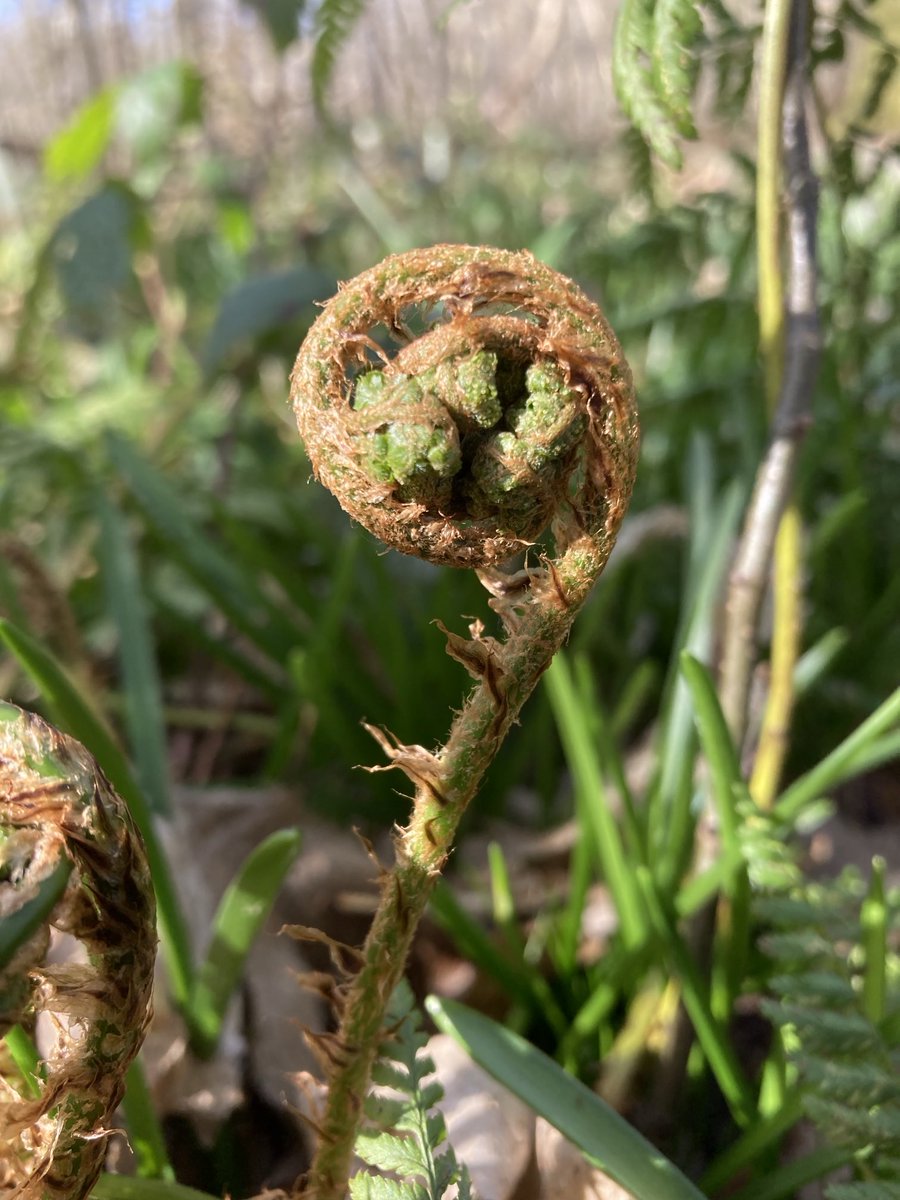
x=511 y=412
x=71 y=860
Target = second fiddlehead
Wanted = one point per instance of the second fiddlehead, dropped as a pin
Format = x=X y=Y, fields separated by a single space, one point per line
x=506 y=409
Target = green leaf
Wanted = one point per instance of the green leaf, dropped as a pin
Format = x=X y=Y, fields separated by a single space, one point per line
x=123 y=1187
x=18 y=926
x=241 y=914
x=842 y=763
x=260 y=305
x=74 y=714
x=676 y=30
x=143 y=698
x=238 y=596
x=153 y=105
x=364 y=1186
x=605 y=1138
x=91 y=252
x=281 y=18
x=334 y=24
x=592 y=799
x=727 y=781
x=389 y=1152
x=73 y=153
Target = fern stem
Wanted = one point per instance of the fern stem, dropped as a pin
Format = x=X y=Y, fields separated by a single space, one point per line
x=543 y=411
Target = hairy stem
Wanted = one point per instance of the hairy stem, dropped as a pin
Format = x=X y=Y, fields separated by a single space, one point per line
x=464 y=446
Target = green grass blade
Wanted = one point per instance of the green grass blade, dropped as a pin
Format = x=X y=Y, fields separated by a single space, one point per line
x=873 y=922
x=605 y=1138
x=73 y=714
x=842 y=762
x=124 y=1187
x=727 y=781
x=762 y=1136
x=18 y=926
x=785 y=1182
x=143 y=699
x=241 y=914
x=595 y=814
x=144 y=1130
x=711 y=1035
x=671 y=792
x=233 y=590
x=23 y=1052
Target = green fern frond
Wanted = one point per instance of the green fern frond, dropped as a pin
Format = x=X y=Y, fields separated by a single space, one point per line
x=634 y=84
x=676 y=30
x=334 y=24
x=869 y=1190
x=402 y=1133
x=846 y=1066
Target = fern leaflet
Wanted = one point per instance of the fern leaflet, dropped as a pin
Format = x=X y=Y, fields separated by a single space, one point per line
x=334 y=24
x=402 y=1133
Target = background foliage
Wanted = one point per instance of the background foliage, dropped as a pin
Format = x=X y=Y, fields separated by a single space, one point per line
x=157 y=274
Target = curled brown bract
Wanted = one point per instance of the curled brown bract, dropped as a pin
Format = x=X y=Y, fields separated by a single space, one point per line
x=510 y=412
x=69 y=850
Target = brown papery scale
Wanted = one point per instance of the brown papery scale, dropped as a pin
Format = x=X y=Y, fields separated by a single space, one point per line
x=460 y=400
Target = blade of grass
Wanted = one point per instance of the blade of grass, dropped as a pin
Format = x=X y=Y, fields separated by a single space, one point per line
x=18 y=926
x=842 y=762
x=514 y=976
x=23 y=1052
x=762 y=1136
x=874 y=926
x=595 y=815
x=123 y=1187
x=144 y=1130
x=712 y=1037
x=242 y=911
x=785 y=1182
x=143 y=698
x=246 y=606
x=605 y=1138
x=73 y=713
x=669 y=803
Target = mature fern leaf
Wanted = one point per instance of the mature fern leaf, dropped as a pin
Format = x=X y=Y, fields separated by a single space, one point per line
x=634 y=83
x=334 y=24
x=869 y=1190
x=676 y=31
x=402 y=1133
x=846 y=1067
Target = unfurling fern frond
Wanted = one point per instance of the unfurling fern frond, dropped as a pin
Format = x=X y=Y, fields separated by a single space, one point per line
x=334 y=24
x=846 y=1063
x=403 y=1134
x=655 y=70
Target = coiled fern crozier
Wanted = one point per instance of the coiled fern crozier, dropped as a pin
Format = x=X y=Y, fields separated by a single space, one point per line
x=460 y=402
x=70 y=860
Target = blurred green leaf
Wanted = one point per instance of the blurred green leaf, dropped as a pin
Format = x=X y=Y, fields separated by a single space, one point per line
x=263 y=304
x=241 y=913
x=91 y=251
x=121 y=1187
x=605 y=1138
x=151 y=106
x=143 y=698
x=73 y=153
x=281 y=18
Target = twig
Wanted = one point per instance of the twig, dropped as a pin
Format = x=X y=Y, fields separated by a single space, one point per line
x=790 y=344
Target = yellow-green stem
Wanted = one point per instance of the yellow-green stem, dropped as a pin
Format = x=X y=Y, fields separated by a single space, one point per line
x=786 y=576
x=786 y=631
